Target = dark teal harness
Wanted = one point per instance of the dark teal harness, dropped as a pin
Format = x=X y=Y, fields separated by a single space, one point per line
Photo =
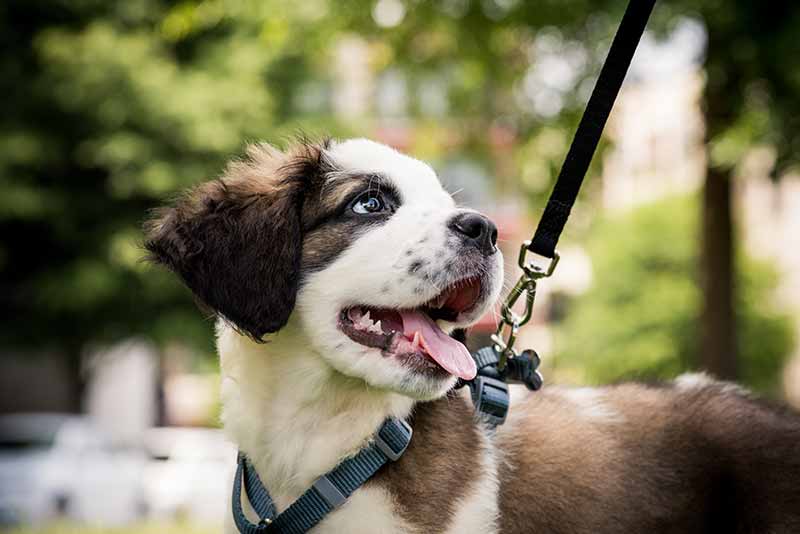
x=328 y=493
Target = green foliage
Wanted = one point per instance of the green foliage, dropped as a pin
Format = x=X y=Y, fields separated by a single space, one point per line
x=109 y=109
x=751 y=94
x=640 y=318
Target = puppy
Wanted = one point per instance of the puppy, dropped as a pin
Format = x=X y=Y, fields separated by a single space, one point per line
x=336 y=271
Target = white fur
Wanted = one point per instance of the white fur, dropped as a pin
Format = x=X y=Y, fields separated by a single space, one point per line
x=311 y=396
x=377 y=261
x=590 y=404
x=689 y=381
x=479 y=510
x=698 y=381
x=369 y=511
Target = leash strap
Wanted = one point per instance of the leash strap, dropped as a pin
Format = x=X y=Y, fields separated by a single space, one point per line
x=329 y=492
x=590 y=128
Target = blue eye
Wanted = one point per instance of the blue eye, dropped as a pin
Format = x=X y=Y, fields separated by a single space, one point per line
x=369 y=203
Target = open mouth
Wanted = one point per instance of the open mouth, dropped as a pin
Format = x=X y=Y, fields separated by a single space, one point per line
x=413 y=334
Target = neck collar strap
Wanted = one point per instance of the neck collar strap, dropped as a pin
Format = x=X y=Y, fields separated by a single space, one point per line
x=326 y=494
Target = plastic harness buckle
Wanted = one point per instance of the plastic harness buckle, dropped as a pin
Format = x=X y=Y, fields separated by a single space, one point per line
x=523 y=368
x=490 y=397
x=329 y=492
x=393 y=438
x=489 y=389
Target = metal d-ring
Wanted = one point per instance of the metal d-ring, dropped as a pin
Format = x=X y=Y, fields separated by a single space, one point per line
x=531 y=269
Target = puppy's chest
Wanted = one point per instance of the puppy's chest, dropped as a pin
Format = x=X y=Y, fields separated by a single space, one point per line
x=369 y=510
x=409 y=509
x=391 y=509
x=446 y=482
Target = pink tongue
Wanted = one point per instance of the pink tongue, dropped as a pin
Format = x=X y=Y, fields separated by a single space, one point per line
x=446 y=351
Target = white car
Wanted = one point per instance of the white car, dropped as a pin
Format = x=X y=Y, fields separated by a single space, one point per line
x=189 y=474
x=58 y=465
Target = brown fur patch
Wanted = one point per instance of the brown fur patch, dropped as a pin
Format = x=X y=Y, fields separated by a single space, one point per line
x=235 y=241
x=323 y=245
x=327 y=236
x=439 y=467
x=675 y=461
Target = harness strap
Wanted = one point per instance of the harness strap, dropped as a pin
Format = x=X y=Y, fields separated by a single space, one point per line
x=326 y=494
x=257 y=495
x=590 y=128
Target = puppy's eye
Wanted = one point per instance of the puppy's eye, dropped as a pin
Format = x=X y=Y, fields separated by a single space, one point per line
x=370 y=202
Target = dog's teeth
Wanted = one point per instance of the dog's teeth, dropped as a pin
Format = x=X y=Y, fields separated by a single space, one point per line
x=365 y=322
x=378 y=328
x=415 y=341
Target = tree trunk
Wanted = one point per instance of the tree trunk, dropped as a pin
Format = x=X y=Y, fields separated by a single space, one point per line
x=718 y=327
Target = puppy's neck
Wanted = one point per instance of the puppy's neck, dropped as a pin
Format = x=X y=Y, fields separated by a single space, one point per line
x=293 y=415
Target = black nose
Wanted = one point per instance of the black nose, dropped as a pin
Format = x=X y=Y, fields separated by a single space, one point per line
x=476 y=230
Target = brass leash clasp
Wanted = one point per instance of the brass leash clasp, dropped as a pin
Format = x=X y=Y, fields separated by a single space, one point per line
x=510 y=321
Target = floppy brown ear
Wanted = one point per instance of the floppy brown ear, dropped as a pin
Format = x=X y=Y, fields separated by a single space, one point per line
x=236 y=242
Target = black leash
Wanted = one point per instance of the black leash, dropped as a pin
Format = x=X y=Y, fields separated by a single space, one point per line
x=590 y=128
x=489 y=391
x=497 y=364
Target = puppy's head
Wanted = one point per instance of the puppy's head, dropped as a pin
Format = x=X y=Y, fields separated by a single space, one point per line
x=357 y=243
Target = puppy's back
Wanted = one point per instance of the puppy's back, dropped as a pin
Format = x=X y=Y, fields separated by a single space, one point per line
x=693 y=456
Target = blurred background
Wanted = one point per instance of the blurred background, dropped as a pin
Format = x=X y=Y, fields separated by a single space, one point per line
x=683 y=252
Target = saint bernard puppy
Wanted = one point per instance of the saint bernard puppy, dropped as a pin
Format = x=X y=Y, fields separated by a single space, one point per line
x=336 y=271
